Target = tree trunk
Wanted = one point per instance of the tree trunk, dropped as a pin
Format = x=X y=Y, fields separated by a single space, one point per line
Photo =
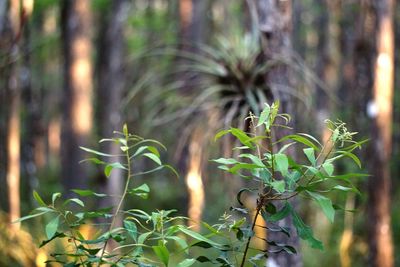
x=192 y=33
x=379 y=221
x=77 y=105
x=110 y=88
x=275 y=25
x=4 y=43
x=12 y=31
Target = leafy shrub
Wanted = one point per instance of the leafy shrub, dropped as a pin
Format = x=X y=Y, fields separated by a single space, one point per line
x=160 y=238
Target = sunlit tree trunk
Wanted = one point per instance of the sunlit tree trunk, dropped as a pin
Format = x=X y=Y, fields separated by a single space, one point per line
x=13 y=102
x=185 y=18
x=379 y=219
x=275 y=22
x=4 y=39
x=192 y=34
x=193 y=179
x=77 y=105
x=110 y=88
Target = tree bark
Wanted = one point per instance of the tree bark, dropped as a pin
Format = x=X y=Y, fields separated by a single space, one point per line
x=111 y=84
x=13 y=139
x=193 y=21
x=275 y=22
x=77 y=105
x=379 y=218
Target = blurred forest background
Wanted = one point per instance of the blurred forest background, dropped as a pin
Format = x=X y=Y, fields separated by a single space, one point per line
x=177 y=71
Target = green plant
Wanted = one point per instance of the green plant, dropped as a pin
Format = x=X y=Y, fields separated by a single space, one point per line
x=281 y=177
x=158 y=238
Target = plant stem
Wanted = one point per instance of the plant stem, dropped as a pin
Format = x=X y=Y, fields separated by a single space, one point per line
x=128 y=179
x=259 y=206
x=71 y=230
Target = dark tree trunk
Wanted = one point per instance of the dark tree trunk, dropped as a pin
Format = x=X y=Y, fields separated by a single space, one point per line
x=77 y=104
x=111 y=86
x=275 y=22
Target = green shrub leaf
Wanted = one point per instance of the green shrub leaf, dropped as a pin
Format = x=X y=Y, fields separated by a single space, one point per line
x=325 y=204
x=51 y=227
x=38 y=199
x=162 y=253
x=281 y=163
x=309 y=152
x=153 y=157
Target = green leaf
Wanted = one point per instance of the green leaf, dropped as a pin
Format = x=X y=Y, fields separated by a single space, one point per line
x=278 y=186
x=199 y=237
x=353 y=157
x=131 y=229
x=141 y=191
x=96 y=152
x=226 y=161
x=305 y=232
x=74 y=200
x=54 y=197
x=51 y=227
x=292 y=179
x=87 y=193
x=335 y=135
x=299 y=139
x=143 y=237
x=328 y=167
x=55 y=236
x=325 y=204
x=220 y=134
x=139 y=150
x=186 y=263
x=310 y=137
x=153 y=157
x=264 y=116
x=111 y=166
x=162 y=253
x=345 y=189
x=281 y=163
x=125 y=129
x=94 y=160
x=246 y=166
x=30 y=216
x=242 y=137
x=180 y=241
x=286 y=147
x=154 y=150
x=38 y=199
x=284 y=212
x=309 y=152
x=270 y=208
x=256 y=160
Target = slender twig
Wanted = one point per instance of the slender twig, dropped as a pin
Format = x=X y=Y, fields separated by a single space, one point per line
x=259 y=206
x=71 y=232
x=128 y=179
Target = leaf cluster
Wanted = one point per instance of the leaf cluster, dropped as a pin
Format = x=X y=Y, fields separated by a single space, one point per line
x=159 y=238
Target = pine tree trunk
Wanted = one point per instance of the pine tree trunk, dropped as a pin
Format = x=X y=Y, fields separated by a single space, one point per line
x=12 y=31
x=379 y=219
x=275 y=22
x=110 y=88
x=77 y=105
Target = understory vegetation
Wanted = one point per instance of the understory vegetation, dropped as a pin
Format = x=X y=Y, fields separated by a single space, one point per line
x=277 y=168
